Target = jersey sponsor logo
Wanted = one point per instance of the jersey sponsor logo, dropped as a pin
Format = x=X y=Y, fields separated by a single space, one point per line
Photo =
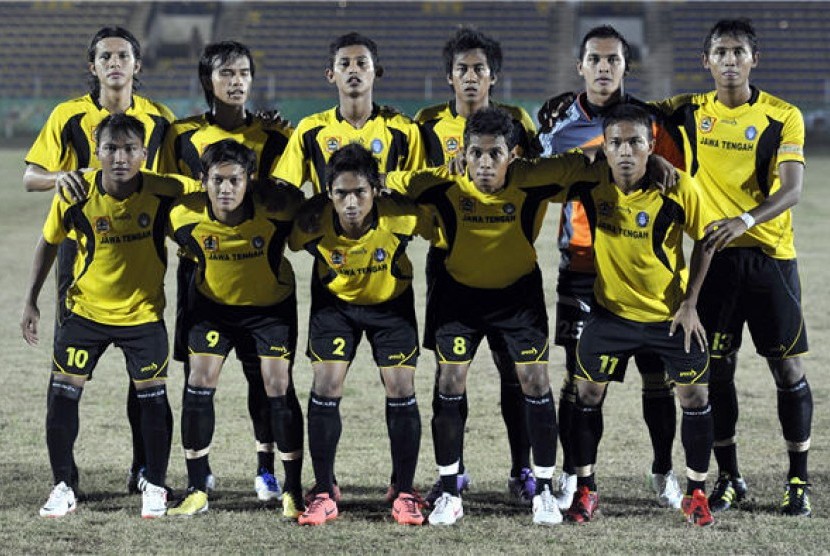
x=467 y=204
x=210 y=243
x=124 y=216
x=531 y=351
x=377 y=146
x=642 y=219
x=451 y=144
x=509 y=208
x=278 y=349
x=379 y=255
x=102 y=224
x=707 y=123
x=397 y=357
x=149 y=368
x=332 y=144
x=143 y=219
x=751 y=132
x=337 y=258
x=257 y=242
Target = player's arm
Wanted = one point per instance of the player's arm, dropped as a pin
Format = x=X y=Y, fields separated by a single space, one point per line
x=292 y=167
x=686 y=316
x=45 y=254
x=71 y=184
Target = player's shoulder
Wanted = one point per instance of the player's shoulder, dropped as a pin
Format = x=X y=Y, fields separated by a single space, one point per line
x=74 y=106
x=165 y=185
x=393 y=117
x=431 y=113
x=152 y=108
x=275 y=198
x=318 y=119
x=190 y=204
x=774 y=103
x=516 y=112
x=183 y=125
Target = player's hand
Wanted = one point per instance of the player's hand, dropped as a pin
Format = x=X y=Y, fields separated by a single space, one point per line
x=71 y=186
x=553 y=110
x=308 y=218
x=661 y=172
x=272 y=118
x=720 y=233
x=28 y=323
x=390 y=111
x=457 y=165
x=687 y=318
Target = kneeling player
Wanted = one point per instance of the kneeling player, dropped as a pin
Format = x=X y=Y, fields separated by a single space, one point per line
x=116 y=297
x=362 y=283
x=641 y=300
x=243 y=299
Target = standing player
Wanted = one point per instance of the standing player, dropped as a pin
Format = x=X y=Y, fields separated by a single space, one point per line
x=226 y=72
x=243 y=298
x=746 y=148
x=603 y=63
x=641 y=300
x=392 y=138
x=362 y=283
x=116 y=297
x=65 y=148
x=472 y=61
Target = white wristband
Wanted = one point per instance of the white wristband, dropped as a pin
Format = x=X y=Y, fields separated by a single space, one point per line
x=748 y=219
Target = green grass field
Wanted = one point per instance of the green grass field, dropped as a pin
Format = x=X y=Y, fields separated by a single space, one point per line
x=630 y=520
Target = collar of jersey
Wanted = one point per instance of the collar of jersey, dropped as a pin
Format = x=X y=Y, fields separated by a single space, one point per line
x=339 y=116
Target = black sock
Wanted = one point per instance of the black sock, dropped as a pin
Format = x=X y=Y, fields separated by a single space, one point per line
x=403 y=422
x=134 y=418
x=62 y=428
x=696 y=435
x=588 y=481
x=795 y=413
x=447 y=431
x=259 y=410
x=660 y=415
x=723 y=398
x=586 y=431
x=513 y=415
x=287 y=425
x=324 y=428
x=198 y=422
x=154 y=407
x=541 y=426
x=567 y=401
x=464 y=407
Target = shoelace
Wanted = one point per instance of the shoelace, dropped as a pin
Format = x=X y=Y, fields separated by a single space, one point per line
x=315 y=504
x=410 y=504
x=55 y=496
x=442 y=503
x=548 y=503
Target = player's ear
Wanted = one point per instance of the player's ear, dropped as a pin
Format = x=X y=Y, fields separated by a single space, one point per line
x=137 y=67
x=756 y=58
x=91 y=67
x=378 y=71
x=329 y=75
x=494 y=78
x=704 y=58
x=579 y=68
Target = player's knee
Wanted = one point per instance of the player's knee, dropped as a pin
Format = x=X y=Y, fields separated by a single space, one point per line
x=786 y=372
x=399 y=382
x=692 y=396
x=534 y=379
x=590 y=394
x=452 y=379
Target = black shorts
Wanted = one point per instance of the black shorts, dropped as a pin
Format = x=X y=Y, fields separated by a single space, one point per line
x=336 y=327
x=80 y=342
x=254 y=332
x=744 y=285
x=515 y=316
x=608 y=341
x=185 y=286
x=573 y=305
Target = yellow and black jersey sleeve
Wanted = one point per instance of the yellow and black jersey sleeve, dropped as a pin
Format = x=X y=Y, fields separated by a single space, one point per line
x=66 y=141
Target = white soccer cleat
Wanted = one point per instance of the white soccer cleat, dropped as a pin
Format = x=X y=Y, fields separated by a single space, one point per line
x=267 y=487
x=567 y=489
x=61 y=501
x=153 y=501
x=448 y=510
x=545 y=509
x=667 y=489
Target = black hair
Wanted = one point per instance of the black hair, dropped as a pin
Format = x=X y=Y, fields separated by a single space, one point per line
x=606 y=32
x=466 y=39
x=355 y=39
x=625 y=112
x=120 y=125
x=736 y=28
x=490 y=121
x=353 y=158
x=106 y=33
x=215 y=55
x=228 y=151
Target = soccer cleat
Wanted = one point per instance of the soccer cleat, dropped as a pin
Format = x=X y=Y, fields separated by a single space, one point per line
x=292 y=507
x=584 y=505
x=523 y=487
x=545 y=509
x=696 y=509
x=407 y=509
x=312 y=492
x=196 y=502
x=61 y=501
x=210 y=483
x=463 y=481
x=134 y=478
x=153 y=500
x=267 y=486
x=796 y=498
x=448 y=510
x=322 y=509
x=667 y=489
x=728 y=491
x=567 y=489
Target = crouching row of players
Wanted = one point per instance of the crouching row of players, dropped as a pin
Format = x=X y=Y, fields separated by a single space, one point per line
x=483 y=281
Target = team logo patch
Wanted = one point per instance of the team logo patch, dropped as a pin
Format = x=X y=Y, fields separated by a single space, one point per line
x=102 y=224
x=451 y=144
x=467 y=204
x=210 y=243
x=380 y=255
x=258 y=242
x=605 y=209
x=332 y=144
x=751 y=132
x=509 y=208
x=642 y=219
x=377 y=146
x=707 y=123
x=338 y=258
x=143 y=219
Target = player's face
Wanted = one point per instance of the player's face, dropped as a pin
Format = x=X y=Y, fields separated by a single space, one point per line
x=353 y=199
x=730 y=60
x=231 y=82
x=487 y=158
x=602 y=67
x=226 y=184
x=121 y=156
x=627 y=147
x=114 y=64
x=471 y=78
x=354 y=70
